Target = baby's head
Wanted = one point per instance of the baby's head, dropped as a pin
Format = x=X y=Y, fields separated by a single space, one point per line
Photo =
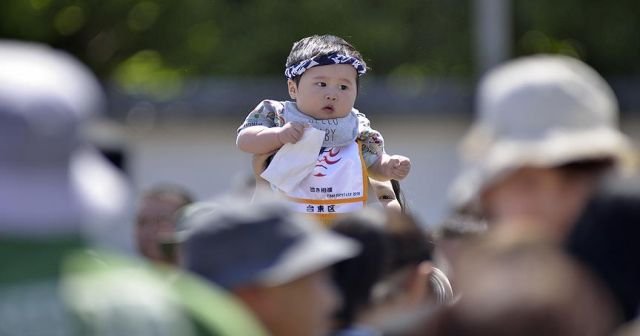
x=322 y=74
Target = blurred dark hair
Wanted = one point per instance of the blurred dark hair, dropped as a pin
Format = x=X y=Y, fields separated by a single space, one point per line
x=390 y=242
x=395 y=184
x=590 y=167
x=410 y=243
x=605 y=239
x=355 y=277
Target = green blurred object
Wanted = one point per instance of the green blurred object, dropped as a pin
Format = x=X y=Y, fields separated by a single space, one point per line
x=604 y=34
x=244 y=38
x=60 y=286
x=153 y=46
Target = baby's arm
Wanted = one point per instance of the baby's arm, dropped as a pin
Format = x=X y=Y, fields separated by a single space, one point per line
x=263 y=130
x=389 y=167
x=381 y=166
x=262 y=139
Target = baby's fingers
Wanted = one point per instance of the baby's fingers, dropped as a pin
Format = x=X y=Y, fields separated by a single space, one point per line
x=401 y=171
x=405 y=163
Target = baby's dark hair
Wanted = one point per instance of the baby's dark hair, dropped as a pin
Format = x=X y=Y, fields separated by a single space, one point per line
x=320 y=45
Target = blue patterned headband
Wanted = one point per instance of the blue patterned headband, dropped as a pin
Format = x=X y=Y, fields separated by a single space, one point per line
x=335 y=58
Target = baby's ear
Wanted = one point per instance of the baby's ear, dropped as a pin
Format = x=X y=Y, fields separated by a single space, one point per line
x=293 y=89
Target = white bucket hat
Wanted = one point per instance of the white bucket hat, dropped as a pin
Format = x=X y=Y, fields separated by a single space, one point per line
x=540 y=111
x=52 y=182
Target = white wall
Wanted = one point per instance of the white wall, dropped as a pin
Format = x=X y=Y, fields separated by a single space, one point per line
x=202 y=156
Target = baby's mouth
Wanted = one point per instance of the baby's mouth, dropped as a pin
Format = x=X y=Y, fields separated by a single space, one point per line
x=328 y=108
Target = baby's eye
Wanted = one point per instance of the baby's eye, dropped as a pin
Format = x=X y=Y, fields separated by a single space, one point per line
x=344 y=87
x=321 y=84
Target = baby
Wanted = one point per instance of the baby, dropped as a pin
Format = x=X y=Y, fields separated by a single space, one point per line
x=322 y=79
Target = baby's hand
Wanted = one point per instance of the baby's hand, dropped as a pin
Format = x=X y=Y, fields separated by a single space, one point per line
x=399 y=167
x=291 y=132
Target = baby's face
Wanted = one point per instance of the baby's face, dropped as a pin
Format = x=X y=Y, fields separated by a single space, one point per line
x=326 y=91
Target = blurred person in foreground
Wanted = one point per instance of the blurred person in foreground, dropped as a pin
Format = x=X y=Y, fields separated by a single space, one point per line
x=274 y=260
x=545 y=133
x=606 y=239
x=156 y=222
x=450 y=239
x=64 y=213
x=392 y=276
x=517 y=283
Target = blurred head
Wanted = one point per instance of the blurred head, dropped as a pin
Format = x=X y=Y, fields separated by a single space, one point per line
x=54 y=182
x=273 y=259
x=393 y=274
x=513 y=283
x=411 y=266
x=451 y=237
x=323 y=74
x=549 y=197
x=539 y=117
x=156 y=221
x=356 y=277
x=303 y=306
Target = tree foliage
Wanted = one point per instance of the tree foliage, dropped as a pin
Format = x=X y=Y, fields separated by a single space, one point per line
x=602 y=33
x=154 y=45
x=243 y=37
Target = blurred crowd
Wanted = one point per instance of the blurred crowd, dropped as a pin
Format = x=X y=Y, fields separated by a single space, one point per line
x=541 y=237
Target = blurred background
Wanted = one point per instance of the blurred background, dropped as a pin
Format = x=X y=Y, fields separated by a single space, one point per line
x=181 y=75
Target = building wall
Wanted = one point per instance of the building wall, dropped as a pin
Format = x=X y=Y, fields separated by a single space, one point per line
x=202 y=156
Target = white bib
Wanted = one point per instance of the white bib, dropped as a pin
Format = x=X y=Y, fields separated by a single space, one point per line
x=338 y=183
